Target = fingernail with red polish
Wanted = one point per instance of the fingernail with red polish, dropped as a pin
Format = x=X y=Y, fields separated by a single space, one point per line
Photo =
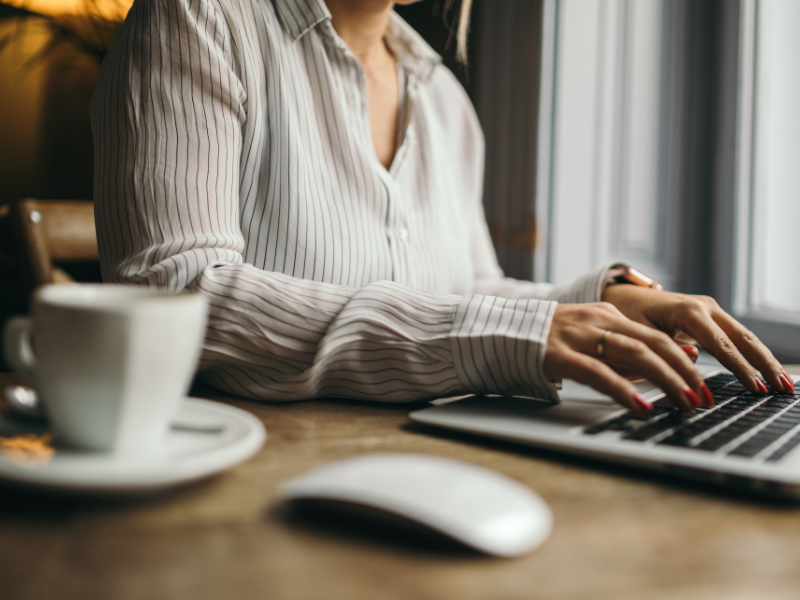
x=693 y=398
x=709 y=398
x=691 y=352
x=641 y=404
x=761 y=387
x=787 y=381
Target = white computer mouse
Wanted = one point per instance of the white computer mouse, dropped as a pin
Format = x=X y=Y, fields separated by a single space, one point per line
x=473 y=505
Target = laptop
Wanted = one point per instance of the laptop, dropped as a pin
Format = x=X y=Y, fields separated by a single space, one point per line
x=747 y=440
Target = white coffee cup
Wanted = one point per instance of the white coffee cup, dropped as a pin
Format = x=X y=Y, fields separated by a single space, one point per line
x=111 y=363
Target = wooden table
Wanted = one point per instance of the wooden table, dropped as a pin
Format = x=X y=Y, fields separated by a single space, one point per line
x=619 y=534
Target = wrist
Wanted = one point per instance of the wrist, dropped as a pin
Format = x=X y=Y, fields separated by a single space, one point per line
x=623 y=275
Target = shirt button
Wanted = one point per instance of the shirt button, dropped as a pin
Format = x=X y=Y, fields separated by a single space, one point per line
x=401 y=233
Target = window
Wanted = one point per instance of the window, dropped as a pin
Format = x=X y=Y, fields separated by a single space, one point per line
x=767 y=210
x=601 y=162
x=668 y=135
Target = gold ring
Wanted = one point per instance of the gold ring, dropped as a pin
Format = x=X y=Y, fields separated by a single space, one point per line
x=601 y=345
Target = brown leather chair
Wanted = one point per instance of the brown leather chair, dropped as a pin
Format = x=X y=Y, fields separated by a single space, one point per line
x=39 y=233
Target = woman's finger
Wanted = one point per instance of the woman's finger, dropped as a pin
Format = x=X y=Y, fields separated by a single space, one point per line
x=691 y=352
x=754 y=351
x=716 y=342
x=678 y=359
x=663 y=346
x=621 y=349
x=625 y=352
x=684 y=339
x=599 y=376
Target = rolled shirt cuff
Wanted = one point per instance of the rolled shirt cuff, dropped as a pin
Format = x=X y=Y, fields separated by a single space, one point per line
x=498 y=346
x=587 y=288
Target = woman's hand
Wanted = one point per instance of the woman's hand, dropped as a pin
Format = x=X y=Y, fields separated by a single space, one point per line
x=572 y=353
x=701 y=318
x=644 y=324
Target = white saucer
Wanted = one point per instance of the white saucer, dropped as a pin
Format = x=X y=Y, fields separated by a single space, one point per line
x=231 y=437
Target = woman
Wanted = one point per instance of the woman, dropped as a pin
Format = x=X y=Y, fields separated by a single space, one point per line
x=315 y=170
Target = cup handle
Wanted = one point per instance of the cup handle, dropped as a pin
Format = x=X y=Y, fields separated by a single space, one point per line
x=17 y=346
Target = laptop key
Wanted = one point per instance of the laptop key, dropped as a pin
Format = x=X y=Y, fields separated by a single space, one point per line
x=751 y=398
x=622 y=423
x=718 y=381
x=727 y=434
x=785 y=449
x=734 y=387
x=602 y=426
x=779 y=402
x=732 y=399
x=647 y=432
x=683 y=436
x=720 y=439
x=626 y=421
x=758 y=442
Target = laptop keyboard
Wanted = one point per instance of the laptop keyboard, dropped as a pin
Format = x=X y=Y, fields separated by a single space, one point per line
x=741 y=424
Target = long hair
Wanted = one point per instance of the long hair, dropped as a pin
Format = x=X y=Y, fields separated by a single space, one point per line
x=463 y=31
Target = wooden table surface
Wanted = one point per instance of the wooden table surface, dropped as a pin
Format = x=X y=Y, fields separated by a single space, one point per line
x=618 y=533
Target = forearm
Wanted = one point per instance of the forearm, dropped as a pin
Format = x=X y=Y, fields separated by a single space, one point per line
x=275 y=337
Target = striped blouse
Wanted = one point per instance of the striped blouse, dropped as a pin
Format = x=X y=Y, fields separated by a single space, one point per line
x=233 y=155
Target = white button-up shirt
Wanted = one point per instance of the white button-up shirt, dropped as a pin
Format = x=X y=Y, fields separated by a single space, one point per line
x=233 y=155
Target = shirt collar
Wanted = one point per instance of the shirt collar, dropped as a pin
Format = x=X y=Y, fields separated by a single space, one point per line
x=300 y=16
x=413 y=53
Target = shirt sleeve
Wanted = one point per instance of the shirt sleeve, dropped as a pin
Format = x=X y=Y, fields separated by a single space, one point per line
x=168 y=120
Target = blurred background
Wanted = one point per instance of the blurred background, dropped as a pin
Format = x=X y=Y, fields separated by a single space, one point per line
x=664 y=133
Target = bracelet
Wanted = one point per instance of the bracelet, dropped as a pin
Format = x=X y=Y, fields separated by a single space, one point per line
x=622 y=274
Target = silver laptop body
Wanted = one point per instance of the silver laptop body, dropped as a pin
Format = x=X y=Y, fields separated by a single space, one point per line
x=754 y=443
